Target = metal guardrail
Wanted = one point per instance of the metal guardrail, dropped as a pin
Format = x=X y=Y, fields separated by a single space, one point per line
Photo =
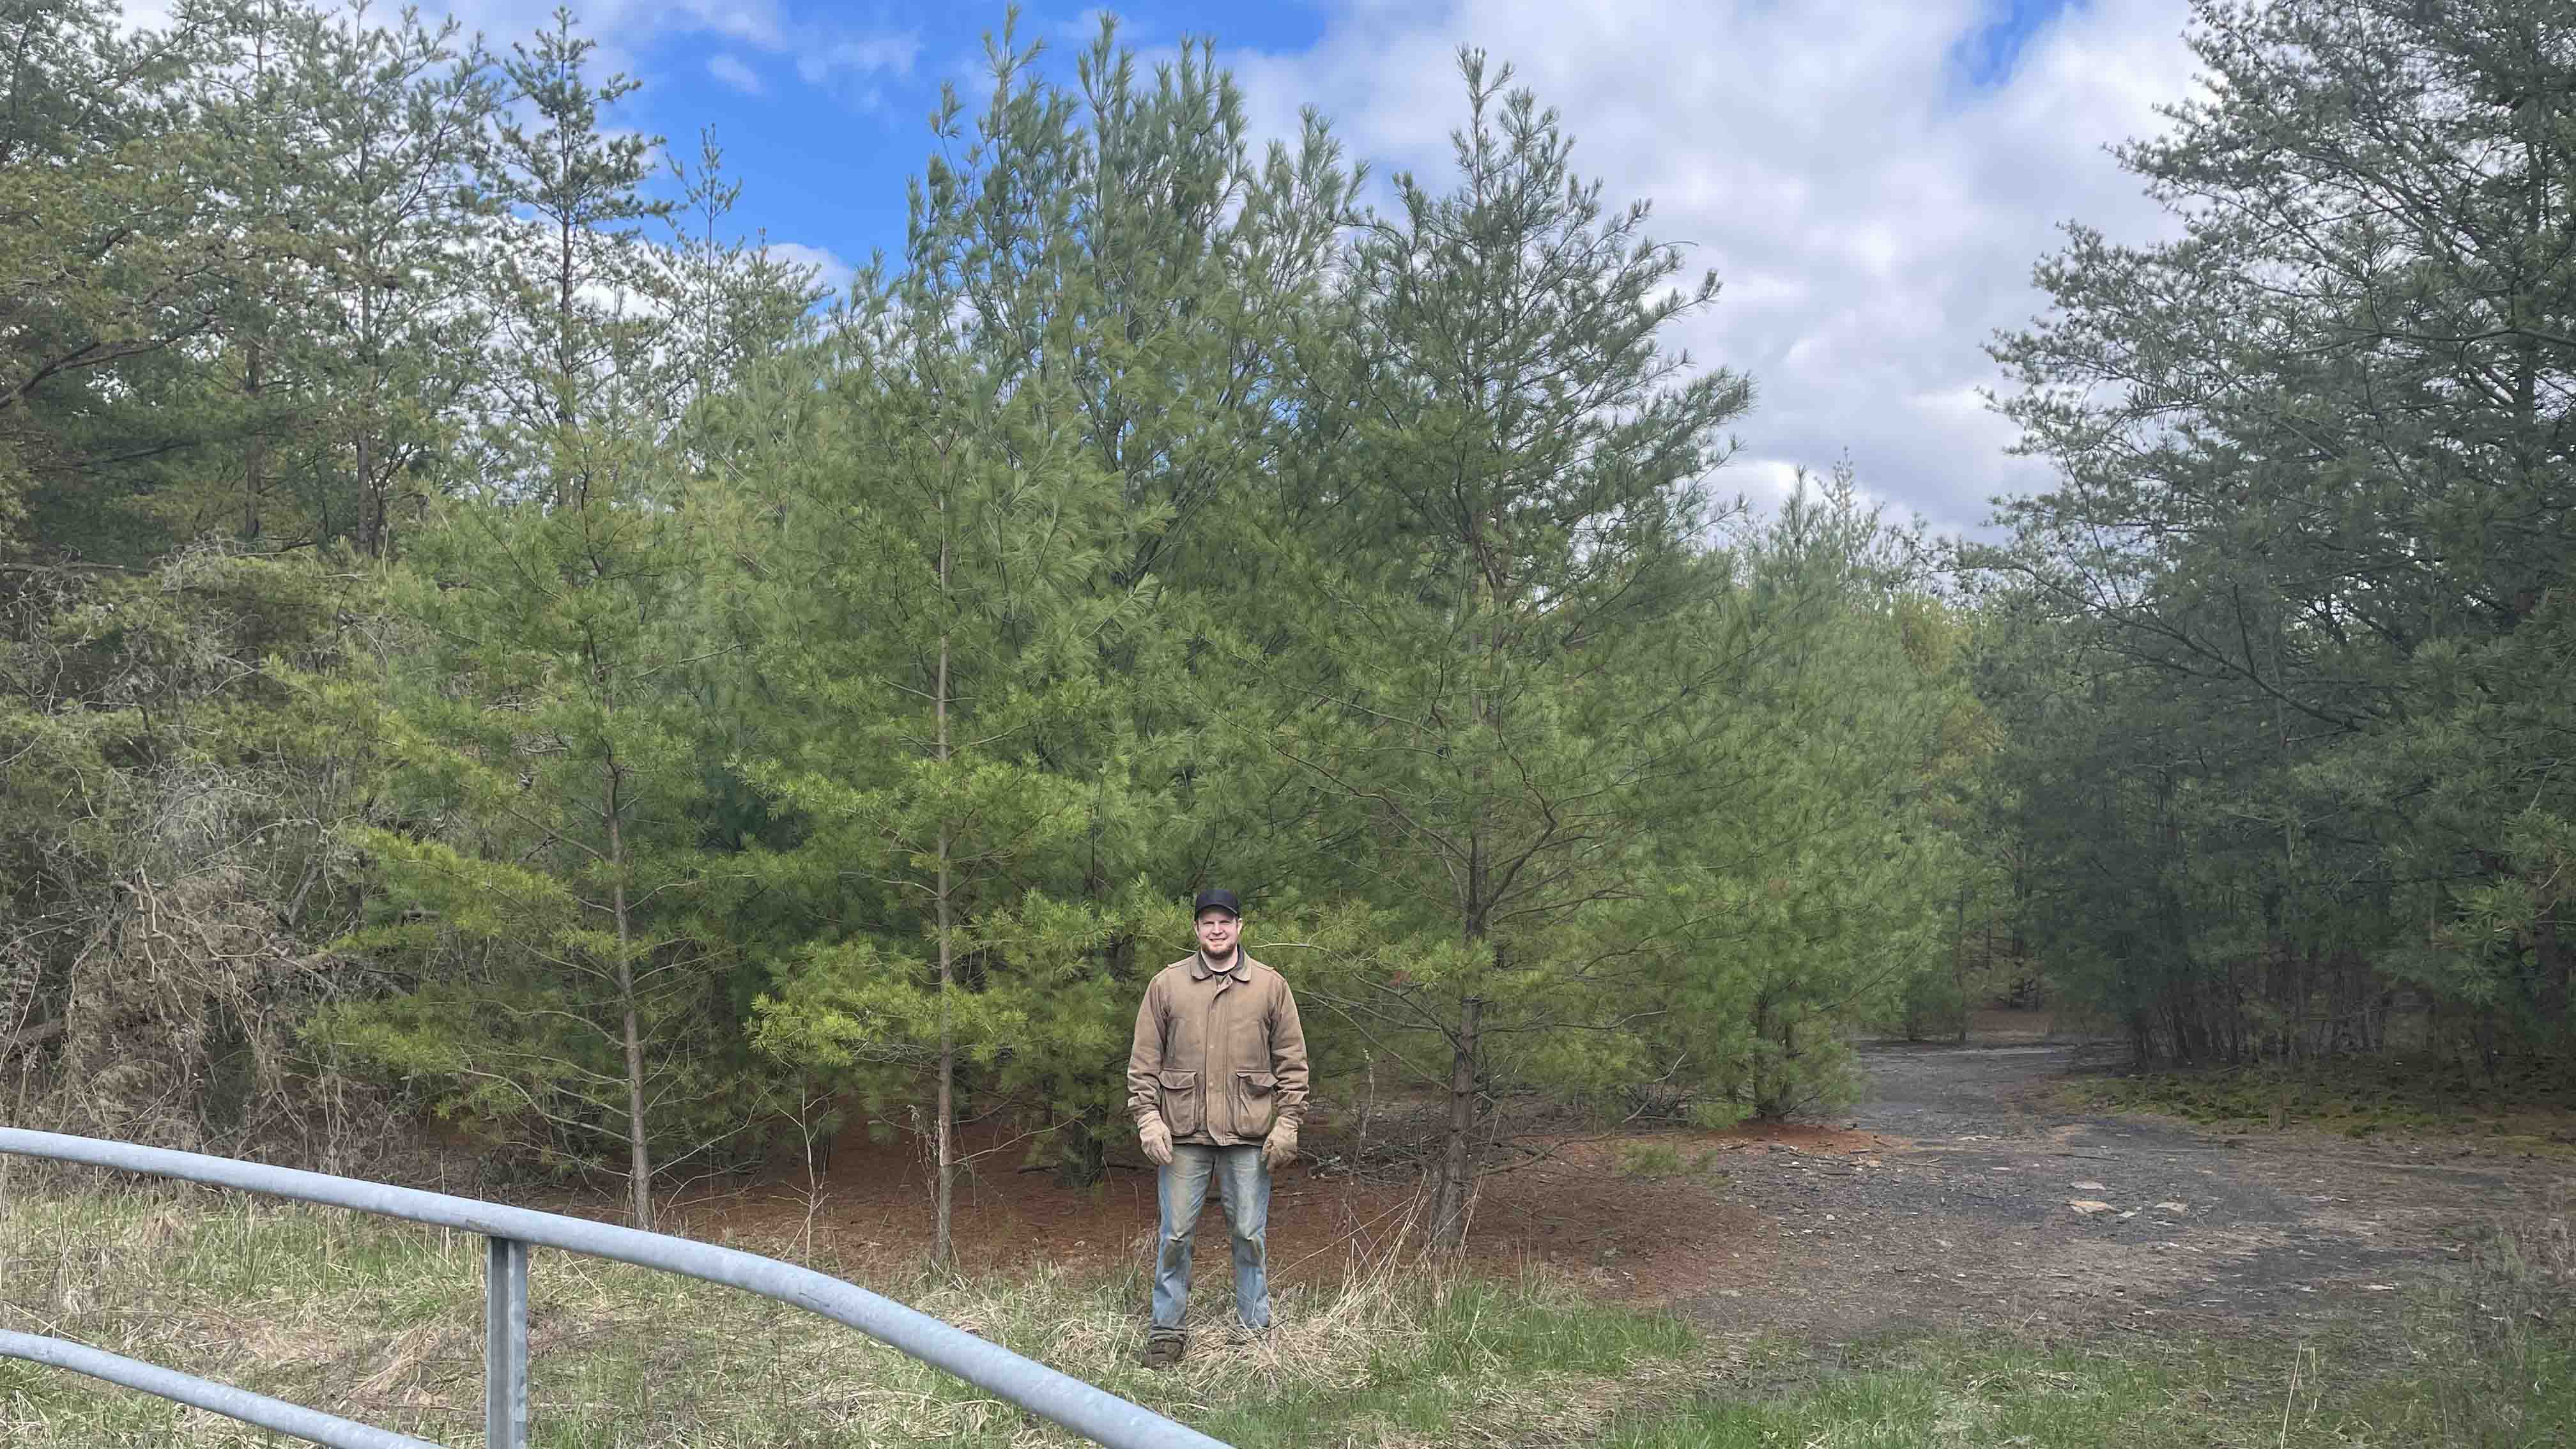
x=1092 y=1412
x=242 y=1404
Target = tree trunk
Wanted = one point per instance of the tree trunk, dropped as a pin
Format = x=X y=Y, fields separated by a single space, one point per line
x=1457 y=1177
x=942 y=1250
x=2556 y=974
x=566 y=493
x=639 y=1154
x=1959 y=963
x=1456 y=1188
x=255 y=452
x=369 y=524
x=374 y=519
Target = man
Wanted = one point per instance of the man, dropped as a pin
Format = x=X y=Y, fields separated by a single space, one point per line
x=1217 y=1084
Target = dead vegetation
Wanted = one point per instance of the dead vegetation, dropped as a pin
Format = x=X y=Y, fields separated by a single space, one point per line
x=382 y=1321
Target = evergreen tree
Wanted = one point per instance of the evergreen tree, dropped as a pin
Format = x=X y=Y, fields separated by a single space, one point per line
x=1122 y=241
x=1810 y=863
x=538 y=887
x=580 y=310
x=733 y=305
x=371 y=338
x=119 y=246
x=931 y=599
x=1480 y=683
x=938 y=551
x=544 y=890
x=2313 y=507
x=174 y=770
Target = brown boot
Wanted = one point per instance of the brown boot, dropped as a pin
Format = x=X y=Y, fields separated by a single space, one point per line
x=1163 y=1350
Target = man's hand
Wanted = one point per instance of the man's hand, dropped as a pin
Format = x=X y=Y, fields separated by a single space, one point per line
x=1157 y=1139
x=1281 y=1145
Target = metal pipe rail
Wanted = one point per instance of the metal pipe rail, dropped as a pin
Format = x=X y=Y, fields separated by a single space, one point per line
x=1092 y=1412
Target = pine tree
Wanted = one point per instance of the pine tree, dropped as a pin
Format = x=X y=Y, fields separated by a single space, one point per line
x=538 y=885
x=1510 y=509
x=372 y=337
x=120 y=246
x=548 y=745
x=580 y=309
x=1121 y=240
x=931 y=547
x=937 y=551
x=733 y=305
x=1805 y=849
x=2312 y=484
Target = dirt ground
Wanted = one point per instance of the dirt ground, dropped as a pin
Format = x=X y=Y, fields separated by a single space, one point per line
x=1991 y=1203
x=1960 y=1193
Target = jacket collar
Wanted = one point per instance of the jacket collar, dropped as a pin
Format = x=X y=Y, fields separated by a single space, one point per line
x=1200 y=969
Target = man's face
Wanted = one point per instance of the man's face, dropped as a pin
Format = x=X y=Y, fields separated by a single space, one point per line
x=1217 y=930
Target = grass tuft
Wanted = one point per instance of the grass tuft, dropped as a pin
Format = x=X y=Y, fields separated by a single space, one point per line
x=381 y=1321
x=2487 y=1361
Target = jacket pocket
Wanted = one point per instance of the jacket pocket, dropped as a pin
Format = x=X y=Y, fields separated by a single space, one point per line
x=1180 y=1102
x=1256 y=1097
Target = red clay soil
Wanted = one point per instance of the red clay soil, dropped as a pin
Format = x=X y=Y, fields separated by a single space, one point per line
x=1571 y=1207
x=1971 y=1195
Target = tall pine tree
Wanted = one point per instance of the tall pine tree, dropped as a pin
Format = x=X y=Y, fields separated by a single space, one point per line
x=1510 y=509
x=937 y=556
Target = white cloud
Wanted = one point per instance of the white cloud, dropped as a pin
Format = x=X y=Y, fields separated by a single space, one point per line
x=759 y=23
x=1763 y=482
x=733 y=71
x=136 y=15
x=625 y=29
x=1872 y=216
x=858 y=56
x=825 y=51
x=828 y=267
x=1084 y=27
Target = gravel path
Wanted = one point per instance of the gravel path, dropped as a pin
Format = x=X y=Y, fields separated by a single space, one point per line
x=1963 y=1210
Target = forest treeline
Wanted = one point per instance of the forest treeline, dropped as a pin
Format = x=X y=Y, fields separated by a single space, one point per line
x=486 y=642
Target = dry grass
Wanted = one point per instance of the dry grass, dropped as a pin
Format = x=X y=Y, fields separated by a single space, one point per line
x=381 y=1321
x=2487 y=1359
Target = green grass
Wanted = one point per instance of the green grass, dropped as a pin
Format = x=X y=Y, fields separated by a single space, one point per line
x=2148 y=1395
x=2525 y=1106
x=2487 y=1359
x=1481 y=1357
x=381 y=1321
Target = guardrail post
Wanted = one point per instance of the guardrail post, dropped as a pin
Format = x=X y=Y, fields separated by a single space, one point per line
x=505 y=1344
x=1097 y=1415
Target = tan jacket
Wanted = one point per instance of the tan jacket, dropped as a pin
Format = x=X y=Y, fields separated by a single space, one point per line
x=1219 y=1056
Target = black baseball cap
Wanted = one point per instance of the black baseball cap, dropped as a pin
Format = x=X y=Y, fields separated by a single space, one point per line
x=1213 y=899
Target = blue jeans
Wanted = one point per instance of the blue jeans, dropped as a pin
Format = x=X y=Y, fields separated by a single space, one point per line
x=1243 y=1183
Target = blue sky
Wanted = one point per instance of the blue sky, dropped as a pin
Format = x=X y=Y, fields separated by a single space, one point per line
x=1872 y=180
x=824 y=158
x=1986 y=52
